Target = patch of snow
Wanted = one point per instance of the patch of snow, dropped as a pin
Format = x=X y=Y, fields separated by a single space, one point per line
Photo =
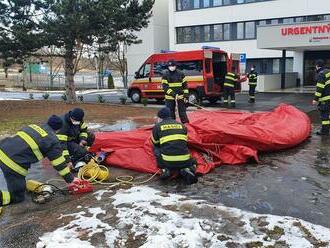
x=156 y=219
x=95 y=125
x=98 y=194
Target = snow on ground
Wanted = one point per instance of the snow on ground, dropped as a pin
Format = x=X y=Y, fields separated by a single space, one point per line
x=150 y=218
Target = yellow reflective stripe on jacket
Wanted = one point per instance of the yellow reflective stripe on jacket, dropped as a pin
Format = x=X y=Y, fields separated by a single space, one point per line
x=325 y=122
x=318 y=94
x=175 y=85
x=230 y=78
x=252 y=83
x=83 y=126
x=169 y=91
x=231 y=74
x=58 y=161
x=83 y=134
x=323 y=99
x=5 y=198
x=327 y=75
x=65 y=153
x=12 y=165
x=180 y=97
x=39 y=130
x=186 y=91
x=64 y=172
x=173 y=137
x=175 y=158
x=229 y=85
x=153 y=140
x=33 y=145
x=167 y=97
x=62 y=137
x=320 y=85
x=164 y=81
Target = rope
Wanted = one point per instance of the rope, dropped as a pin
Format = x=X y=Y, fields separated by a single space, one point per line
x=198 y=106
x=124 y=180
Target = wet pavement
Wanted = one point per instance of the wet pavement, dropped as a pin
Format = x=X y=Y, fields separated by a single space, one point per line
x=295 y=183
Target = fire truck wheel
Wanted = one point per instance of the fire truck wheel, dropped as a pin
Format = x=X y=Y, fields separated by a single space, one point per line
x=213 y=100
x=193 y=97
x=136 y=96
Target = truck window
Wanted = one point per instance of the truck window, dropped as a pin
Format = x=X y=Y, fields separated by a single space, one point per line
x=159 y=68
x=145 y=71
x=189 y=68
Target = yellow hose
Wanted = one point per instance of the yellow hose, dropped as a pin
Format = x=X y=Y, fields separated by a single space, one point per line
x=98 y=174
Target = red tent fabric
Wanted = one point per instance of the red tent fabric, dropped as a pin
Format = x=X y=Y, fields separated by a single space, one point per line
x=215 y=138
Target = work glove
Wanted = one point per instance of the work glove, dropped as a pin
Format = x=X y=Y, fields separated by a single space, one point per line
x=83 y=143
x=79 y=186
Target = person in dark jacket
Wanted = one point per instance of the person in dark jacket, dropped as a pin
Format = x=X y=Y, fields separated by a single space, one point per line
x=231 y=80
x=253 y=79
x=322 y=96
x=171 y=148
x=74 y=136
x=176 y=91
x=28 y=146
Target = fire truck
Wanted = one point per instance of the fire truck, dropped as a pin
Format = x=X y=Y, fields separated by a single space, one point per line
x=205 y=72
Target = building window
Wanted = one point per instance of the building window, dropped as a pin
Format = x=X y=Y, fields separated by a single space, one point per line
x=288 y=20
x=240 y=31
x=218 y=32
x=207 y=33
x=226 y=32
x=198 y=34
x=196 y=4
x=217 y=3
x=206 y=3
x=234 y=31
x=269 y=66
x=226 y=2
x=250 y=30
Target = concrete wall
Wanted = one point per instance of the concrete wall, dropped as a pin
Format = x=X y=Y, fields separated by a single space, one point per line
x=273 y=82
x=154 y=38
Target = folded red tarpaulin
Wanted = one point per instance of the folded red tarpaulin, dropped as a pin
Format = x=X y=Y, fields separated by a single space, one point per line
x=215 y=138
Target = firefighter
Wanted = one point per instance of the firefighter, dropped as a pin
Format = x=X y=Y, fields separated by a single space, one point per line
x=28 y=146
x=229 y=88
x=171 y=149
x=176 y=91
x=74 y=136
x=322 y=96
x=253 y=78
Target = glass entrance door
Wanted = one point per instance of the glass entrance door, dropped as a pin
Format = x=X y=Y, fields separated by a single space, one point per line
x=309 y=65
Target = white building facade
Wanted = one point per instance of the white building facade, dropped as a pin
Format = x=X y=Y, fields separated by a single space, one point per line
x=154 y=38
x=232 y=26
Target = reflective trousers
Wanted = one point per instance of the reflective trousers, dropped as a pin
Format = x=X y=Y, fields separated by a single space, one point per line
x=229 y=92
x=325 y=117
x=16 y=186
x=181 y=109
x=252 y=92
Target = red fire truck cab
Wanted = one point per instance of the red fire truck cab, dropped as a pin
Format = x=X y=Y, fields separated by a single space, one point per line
x=204 y=69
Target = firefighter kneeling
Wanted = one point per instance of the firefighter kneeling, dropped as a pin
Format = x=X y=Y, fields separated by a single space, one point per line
x=27 y=147
x=171 y=149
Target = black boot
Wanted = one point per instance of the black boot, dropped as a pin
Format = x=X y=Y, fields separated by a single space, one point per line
x=188 y=176
x=165 y=174
x=321 y=133
x=233 y=105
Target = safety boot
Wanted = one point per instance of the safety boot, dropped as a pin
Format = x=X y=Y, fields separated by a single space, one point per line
x=165 y=173
x=188 y=176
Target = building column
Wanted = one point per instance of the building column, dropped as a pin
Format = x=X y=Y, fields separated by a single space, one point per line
x=283 y=69
x=298 y=65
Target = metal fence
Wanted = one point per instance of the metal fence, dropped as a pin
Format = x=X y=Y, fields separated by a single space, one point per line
x=83 y=80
